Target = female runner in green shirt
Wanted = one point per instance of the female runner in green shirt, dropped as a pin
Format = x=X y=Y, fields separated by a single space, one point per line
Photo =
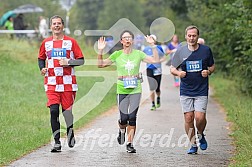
x=129 y=87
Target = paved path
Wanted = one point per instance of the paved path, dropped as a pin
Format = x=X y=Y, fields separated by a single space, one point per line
x=160 y=139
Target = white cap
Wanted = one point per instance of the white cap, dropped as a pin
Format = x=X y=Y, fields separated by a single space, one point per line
x=154 y=37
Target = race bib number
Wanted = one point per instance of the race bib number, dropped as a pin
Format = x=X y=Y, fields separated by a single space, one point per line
x=130 y=82
x=157 y=71
x=58 y=53
x=194 y=66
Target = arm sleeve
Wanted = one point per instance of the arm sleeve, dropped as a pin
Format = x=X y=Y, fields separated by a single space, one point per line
x=41 y=64
x=76 y=62
x=41 y=56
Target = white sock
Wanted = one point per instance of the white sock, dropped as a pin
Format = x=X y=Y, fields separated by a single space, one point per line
x=194 y=145
x=199 y=136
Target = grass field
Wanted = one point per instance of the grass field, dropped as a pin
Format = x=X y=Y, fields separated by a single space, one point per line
x=239 y=111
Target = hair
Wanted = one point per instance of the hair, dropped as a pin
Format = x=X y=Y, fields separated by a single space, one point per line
x=56 y=17
x=131 y=33
x=191 y=27
x=174 y=36
x=201 y=41
x=9 y=18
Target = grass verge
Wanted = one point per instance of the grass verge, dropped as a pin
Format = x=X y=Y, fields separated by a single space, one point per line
x=239 y=111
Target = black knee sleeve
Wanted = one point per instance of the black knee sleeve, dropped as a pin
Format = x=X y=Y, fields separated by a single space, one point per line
x=123 y=121
x=132 y=121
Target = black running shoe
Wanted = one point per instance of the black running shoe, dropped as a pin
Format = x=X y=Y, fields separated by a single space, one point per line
x=71 y=138
x=130 y=148
x=56 y=148
x=121 y=137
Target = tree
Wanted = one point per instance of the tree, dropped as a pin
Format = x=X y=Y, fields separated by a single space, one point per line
x=243 y=61
x=85 y=13
x=115 y=10
x=226 y=25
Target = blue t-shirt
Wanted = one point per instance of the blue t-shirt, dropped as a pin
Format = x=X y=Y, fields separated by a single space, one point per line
x=171 y=47
x=193 y=62
x=148 y=51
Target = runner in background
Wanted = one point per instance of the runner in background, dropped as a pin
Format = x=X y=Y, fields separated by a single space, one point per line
x=201 y=41
x=154 y=74
x=171 y=49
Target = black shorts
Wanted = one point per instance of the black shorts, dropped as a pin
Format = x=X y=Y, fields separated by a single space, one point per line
x=154 y=80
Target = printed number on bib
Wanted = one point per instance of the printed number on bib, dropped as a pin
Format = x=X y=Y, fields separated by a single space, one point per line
x=130 y=82
x=59 y=53
x=194 y=66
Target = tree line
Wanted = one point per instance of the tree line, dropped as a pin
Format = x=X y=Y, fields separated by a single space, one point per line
x=225 y=25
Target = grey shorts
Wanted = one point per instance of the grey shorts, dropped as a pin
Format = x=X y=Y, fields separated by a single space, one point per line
x=198 y=103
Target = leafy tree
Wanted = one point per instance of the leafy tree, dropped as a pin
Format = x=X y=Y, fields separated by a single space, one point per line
x=171 y=10
x=210 y=16
x=243 y=26
x=115 y=10
x=226 y=25
x=85 y=13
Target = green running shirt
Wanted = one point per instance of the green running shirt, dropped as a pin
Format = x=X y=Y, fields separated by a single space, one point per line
x=127 y=65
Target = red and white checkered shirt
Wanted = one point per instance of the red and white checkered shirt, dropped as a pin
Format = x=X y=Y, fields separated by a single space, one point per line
x=59 y=78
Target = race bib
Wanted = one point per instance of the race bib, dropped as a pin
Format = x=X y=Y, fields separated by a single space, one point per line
x=194 y=66
x=58 y=53
x=157 y=71
x=130 y=82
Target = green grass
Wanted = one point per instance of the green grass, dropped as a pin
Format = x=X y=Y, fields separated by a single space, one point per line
x=24 y=119
x=239 y=111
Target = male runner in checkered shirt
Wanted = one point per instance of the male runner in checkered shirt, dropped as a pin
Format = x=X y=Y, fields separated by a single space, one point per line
x=58 y=55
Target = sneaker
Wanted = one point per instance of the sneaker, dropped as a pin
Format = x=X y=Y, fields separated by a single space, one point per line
x=130 y=148
x=56 y=148
x=71 y=138
x=202 y=141
x=121 y=137
x=153 y=107
x=192 y=150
